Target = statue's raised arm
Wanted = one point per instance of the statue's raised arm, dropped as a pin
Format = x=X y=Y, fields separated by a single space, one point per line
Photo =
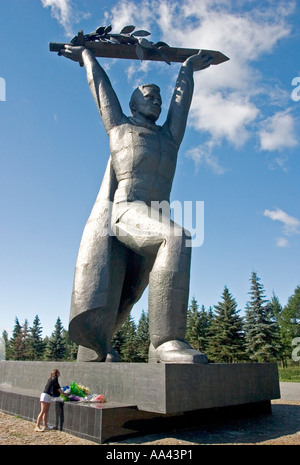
x=104 y=95
x=183 y=93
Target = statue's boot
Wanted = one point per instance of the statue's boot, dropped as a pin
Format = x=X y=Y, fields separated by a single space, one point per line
x=175 y=351
x=168 y=301
x=85 y=354
x=112 y=356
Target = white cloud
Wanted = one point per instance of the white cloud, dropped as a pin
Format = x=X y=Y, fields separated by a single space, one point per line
x=290 y=225
x=282 y=242
x=203 y=156
x=278 y=132
x=223 y=116
x=136 y=71
x=65 y=13
x=128 y=12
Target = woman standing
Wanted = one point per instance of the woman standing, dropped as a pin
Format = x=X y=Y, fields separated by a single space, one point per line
x=52 y=389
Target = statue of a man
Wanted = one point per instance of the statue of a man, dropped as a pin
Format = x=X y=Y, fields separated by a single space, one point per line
x=113 y=270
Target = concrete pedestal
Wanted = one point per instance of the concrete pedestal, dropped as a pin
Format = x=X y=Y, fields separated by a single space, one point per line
x=136 y=393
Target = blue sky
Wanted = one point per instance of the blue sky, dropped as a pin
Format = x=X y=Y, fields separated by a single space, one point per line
x=240 y=155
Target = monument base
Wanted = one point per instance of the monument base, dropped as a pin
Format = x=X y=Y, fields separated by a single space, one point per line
x=141 y=398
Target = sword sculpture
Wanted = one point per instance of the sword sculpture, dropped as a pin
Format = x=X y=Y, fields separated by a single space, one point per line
x=131 y=44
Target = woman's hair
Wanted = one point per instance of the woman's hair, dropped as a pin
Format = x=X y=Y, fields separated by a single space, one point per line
x=54 y=373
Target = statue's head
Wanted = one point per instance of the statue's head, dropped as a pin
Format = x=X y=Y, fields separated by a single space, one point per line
x=146 y=101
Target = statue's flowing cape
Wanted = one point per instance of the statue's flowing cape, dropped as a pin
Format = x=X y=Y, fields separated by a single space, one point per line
x=99 y=274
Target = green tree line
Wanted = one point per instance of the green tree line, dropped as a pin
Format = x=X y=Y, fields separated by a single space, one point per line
x=267 y=332
x=27 y=343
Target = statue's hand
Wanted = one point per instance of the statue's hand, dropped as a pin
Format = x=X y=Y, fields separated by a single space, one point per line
x=72 y=52
x=199 y=61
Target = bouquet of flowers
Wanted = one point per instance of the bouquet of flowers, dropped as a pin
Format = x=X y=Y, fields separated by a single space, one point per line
x=86 y=391
x=74 y=392
x=94 y=398
x=80 y=393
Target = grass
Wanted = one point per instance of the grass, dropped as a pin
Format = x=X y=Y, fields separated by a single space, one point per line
x=289 y=374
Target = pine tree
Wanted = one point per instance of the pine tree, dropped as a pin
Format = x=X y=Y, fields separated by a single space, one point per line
x=16 y=343
x=192 y=324
x=226 y=343
x=290 y=324
x=36 y=343
x=291 y=314
x=274 y=311
x=128 y=348
x=198 y=326
x=71 y=347
x=274 y=308
x=26 y=341
x=118 y=341
x=142 y=338
x=56 y=349
x=260 y=330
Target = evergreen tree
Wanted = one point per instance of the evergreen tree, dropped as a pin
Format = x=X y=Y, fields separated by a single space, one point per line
x=46 y=342
x=274 y=311
x=291 y=314
x=142 y=338
x=260 y=330
x=226 y=343
x=198 y=326
x=16 y=343
x=117 y=341
x=128 y=349
x=36 y=343
x=26 y=342
x=290 y=324
x=192 y=324
x=71 y=347
x=56 y=349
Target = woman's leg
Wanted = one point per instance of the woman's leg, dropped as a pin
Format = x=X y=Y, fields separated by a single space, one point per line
x=43 y=414
x=39 y=418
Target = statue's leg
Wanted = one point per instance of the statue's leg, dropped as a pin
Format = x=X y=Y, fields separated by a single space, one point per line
x=166 y=243
x=92 y=330
x=135 y=282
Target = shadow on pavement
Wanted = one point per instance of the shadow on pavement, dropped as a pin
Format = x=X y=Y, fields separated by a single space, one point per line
x=282 y=421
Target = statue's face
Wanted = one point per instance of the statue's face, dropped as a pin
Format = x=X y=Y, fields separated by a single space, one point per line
x=147 y=103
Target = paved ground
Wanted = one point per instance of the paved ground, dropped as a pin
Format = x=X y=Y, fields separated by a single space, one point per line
x=282 y=427
x=290 y=391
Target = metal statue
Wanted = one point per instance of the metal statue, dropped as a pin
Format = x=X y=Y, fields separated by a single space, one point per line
x=140 y=246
